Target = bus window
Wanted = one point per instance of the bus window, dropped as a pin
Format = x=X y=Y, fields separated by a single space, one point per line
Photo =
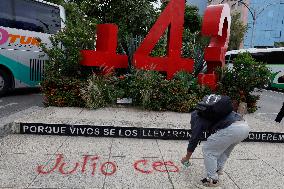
x=276 y=57
x=281 y=79
x=35 y=16
x=229 y=59
x=259 y=57
x=30 y=15
x=6 y=14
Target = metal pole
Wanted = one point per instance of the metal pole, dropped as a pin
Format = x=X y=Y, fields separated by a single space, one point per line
x=252 y=33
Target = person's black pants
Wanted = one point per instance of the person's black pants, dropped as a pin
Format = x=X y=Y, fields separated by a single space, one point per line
x=280 y=115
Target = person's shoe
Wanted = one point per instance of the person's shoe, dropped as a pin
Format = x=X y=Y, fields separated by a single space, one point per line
x=220 y=172
x=208 y=182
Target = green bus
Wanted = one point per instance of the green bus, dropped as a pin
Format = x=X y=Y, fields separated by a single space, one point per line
x=273 y=57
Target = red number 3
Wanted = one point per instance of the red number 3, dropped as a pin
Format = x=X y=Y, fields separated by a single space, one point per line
x=216 y=24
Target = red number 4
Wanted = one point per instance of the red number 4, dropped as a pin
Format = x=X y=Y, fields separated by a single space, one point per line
x=216 y=24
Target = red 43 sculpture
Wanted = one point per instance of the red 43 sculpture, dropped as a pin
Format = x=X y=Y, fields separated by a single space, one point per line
x=216 y=24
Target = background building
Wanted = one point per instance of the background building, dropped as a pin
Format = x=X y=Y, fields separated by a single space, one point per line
x=265 y=19
x=266 y=23
x=236 y=6
x=201 y=4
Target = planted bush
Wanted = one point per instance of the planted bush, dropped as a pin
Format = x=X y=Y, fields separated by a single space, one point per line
x=241 y=80
x=147 y=89
x=63 y=92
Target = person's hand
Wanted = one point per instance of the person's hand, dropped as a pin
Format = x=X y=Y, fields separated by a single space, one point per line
x=184 y=159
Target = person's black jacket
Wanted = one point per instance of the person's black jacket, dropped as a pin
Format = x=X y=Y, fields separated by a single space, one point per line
x=200 y=125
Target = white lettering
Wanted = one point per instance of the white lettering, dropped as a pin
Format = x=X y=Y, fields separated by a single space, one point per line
x=251 y=136
x=33 y=129
x=82 y=130
x=97 y=131
x=26 y=128
x=275 y=137
x=143 y=133
x=269 y=137
x=188 y=135
x=127 y=132
x=162 y=133
x=112 y=132
x=109 y=132
x=72 y=130
x=119 y=132
x=63 y=130
x=40 y=129
x=263 y=137
x=281 y=137
x=106 y=132
x=135 y=133
x=90 y=131
x=56 y=130
x=175 y=133
x=48 y=130
x=182 y=133
x=156 y=133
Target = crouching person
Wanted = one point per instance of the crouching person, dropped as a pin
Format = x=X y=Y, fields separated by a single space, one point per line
x=215 y=115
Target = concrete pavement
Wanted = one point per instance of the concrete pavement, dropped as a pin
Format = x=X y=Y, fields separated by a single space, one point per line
x=41 y=161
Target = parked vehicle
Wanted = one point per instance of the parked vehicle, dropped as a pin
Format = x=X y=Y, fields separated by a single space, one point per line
x=273 y=57
x=24 y=24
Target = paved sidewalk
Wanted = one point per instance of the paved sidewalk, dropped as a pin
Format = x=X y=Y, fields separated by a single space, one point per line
x=37 y=161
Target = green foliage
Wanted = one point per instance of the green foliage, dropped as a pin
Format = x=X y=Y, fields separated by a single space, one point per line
x=144 y=89
x=61 y=86
x=147 y=89
x=237 y=33
x=100 y=91
x=192 y=20
x=278 y=44
x=64 y=55
x=63 y=92
x=132 y=16
x=150 y=90
x=246 y=75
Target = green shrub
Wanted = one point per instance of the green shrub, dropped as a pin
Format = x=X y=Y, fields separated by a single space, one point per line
x=239 y=81
x=147 y=89
x=144 y=89
x=63 y=92
x=99 y=91
x=150 y=90
x=64 y=55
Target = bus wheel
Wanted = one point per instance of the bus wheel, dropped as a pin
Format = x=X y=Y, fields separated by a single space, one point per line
x=5 y=82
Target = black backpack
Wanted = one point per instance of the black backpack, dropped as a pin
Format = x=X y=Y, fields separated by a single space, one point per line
x=214 y=107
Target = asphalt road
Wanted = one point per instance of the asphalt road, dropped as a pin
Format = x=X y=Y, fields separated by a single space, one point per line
x=19 y=100
x=269 y=104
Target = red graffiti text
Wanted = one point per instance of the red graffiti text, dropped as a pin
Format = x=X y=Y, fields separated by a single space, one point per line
x=106 y=168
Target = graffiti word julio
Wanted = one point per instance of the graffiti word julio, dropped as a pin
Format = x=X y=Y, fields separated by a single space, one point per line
x=90 y=164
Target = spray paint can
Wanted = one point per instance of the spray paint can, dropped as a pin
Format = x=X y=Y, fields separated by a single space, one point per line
x=186 y=164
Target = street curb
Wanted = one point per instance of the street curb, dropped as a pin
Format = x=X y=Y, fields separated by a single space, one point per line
x=8 y=125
